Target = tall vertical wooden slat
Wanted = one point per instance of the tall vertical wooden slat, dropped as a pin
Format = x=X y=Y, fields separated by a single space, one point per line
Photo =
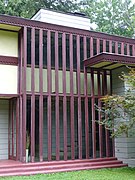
x=57 y=98
x=79 y=99
x=110 y=46
x=41 y=95
x=86 y=102
x=64 y=94
x=98 y=45
x=122 y=48
x=99 y=115
x=49 y=88
x=24 y=96
x=104 y=45
x=116 y=47
x=72 y=98
x=93 y=114
x=33 y=95
x=91 y=46
x=106 y=131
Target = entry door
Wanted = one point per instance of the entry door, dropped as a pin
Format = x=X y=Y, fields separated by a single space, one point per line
x=4 y=117
x=12 y=129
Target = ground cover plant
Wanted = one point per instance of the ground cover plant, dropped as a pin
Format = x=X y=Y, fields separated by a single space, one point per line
x=102 y=174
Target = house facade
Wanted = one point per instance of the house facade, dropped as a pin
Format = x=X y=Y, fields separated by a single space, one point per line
x=51 y=76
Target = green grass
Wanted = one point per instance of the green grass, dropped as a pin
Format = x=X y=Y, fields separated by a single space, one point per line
x=103 y=174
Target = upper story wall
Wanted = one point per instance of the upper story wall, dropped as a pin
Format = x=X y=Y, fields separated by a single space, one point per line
x=8 y=43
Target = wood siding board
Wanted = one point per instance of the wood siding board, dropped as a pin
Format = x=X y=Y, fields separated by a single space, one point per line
x=57 y=98
x=24 y=96
x=93 y=114
x=49 y=89
x=99 y=116
x=64 y=93
x=72 y=99
x=41 y=95
x=79 y=99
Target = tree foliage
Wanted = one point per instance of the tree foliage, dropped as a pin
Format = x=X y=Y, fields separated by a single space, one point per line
x=118 y=112
x=111 y=16
x=27 y=8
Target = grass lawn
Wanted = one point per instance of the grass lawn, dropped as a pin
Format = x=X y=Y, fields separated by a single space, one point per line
x=103 y=174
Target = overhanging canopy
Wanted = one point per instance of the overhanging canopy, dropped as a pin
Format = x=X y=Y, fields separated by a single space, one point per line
x=109 y=61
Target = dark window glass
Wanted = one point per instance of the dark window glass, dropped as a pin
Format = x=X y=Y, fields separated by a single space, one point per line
x=60 y=50
x=53 y=49
x=107 y=46
x=94 y=47
x=81 y=53
x=67 y=52
x=28 y=46
x=37 y=47
x=101 y=46
x=125 y=49
x=113 y=47
x=74 y=53
x=88 y=47
x=130 y=50
x=44 y=48
x=119 y=48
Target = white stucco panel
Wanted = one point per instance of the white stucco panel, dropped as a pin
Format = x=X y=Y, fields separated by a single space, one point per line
x=8 y=79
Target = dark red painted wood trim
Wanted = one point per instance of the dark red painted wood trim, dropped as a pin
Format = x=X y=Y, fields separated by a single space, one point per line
x=116 y=47
x=110 y=46
x=49 y=89
x=41 y=95
x=33 y=95
x=24 y=95
x=12 y=128
x=18 y=21
x=79 y=100
x=93 y=114
x=57 y=98
x=104 y=45
x=86 y=103
x=8 y=60
x=98 y=46
x=122 y=48
x=124 y=59
x=9 y=128
x=64 y=93
x=72 y=99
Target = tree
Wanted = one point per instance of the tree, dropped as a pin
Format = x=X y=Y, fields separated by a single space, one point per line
x=27 y=8
x=118 y=112
x=111 y=16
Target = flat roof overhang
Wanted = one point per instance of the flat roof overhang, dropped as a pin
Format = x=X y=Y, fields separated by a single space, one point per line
x=109 y=61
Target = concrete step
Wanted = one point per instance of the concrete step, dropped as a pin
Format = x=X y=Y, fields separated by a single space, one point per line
x=64 y=169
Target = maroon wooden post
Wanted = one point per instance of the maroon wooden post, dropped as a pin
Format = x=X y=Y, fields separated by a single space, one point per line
x=41 y=95
x=24 y=96
x=57 y=98
x=86 y=103
x=93 y=114
x=12 y=119
x=72 y=99
x=106 y=131
x=33 y=95
x=64 y=94
x=49 y=89
x=99 y=115
x=79 y=99
x=133 y=49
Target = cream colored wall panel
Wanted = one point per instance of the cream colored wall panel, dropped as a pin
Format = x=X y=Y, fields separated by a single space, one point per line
x=60 y=82
x=75 y=82
x=82 y=83
x=36 y=79
x=28 y=79
x=8 y=43
x=44 y=80
x=68 y=82
x=8 y=79
x=53 y=81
